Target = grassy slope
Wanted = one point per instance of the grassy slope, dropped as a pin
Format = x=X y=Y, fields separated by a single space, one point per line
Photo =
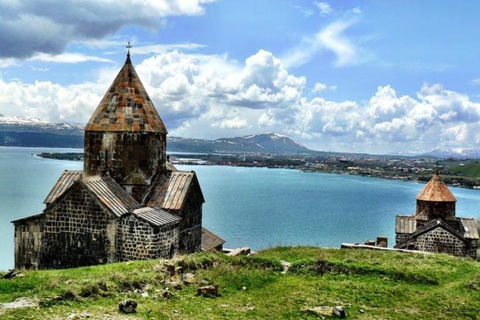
x=468 y=169
x=385 y=285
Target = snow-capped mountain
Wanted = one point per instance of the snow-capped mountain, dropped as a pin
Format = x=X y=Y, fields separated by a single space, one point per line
x=269 y=142
x=457 y=153
x=34 y=132
x=258 y=143
x=33 y=124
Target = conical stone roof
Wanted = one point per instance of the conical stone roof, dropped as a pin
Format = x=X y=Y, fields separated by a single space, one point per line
x=126 y=106
x=436 y=190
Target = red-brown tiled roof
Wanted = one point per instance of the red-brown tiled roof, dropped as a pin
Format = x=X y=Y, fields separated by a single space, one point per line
x=126 y=106
x=436 y=190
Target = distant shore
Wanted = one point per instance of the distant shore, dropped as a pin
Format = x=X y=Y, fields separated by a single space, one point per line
x=417 y=170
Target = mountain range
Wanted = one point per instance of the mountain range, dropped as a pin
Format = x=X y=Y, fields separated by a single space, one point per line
x=33 y=132
x=457 y=153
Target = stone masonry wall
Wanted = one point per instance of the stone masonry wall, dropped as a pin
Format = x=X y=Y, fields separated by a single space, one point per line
x=471 y=248
x=402 y=237
x=139 y=240
x=78 y=232
x=191 y=223
x=439 y=240
x=28 y=243
x=437 y=210
x=124 y=153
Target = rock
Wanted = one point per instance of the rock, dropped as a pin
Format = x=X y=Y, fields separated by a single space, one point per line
x=175 y=285
x=170 y=269
x=85 y=315
x=167 y=294
x=208 y=291
x=285 y=266
x=128 y=306
x=144 y=294
x=13 y=274
x=319 y=311
x=73 y=316
x=22 y=302
x=239 y=252
x=188 y=278
x=339 y=312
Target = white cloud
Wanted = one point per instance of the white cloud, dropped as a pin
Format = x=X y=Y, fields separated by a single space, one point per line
x=475 y=81
x=5 y=63
x=235 y=123
x=319 y=87
x=163 y=48
x=324 y=7
x=210 y=96
x=73 y=57
x=58 y=23
x=330 y=38
x=305 y=11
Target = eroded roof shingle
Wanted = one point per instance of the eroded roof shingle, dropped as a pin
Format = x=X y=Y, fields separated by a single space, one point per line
x=66 y=180
x=156 y=217
x=469 y=227
x=210 y=241
x=171 y=190
x=111 y=194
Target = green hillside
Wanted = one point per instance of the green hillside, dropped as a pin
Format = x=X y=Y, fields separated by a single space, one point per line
x=368 y=284
x=469 y=168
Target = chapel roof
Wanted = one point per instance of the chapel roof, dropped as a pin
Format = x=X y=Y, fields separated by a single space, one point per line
x=405 y=224
x=469 y=227
x=111 y=194
x=210 y=241
x=171 y=189
x=126 y=106
x=437 y=223
x=436 y=190
x=66 y=180
x=156 y=217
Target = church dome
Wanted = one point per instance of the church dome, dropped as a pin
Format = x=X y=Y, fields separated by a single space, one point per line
x=126 y=106
x=436 y=191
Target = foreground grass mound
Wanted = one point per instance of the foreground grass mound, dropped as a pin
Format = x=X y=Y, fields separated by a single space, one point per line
x=368 y=284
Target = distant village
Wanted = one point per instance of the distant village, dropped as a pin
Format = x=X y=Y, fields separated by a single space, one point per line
x=454 y=172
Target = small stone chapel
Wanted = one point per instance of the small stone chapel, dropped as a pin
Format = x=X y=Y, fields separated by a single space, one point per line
x=128 y=203
x=434 y=227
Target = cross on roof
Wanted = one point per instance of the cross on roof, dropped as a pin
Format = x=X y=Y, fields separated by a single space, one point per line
x=129 y=46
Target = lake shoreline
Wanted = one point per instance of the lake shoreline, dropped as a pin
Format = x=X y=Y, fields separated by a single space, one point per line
x=71 y=156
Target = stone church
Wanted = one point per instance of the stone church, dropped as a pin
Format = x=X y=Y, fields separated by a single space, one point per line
x=434 y=226
x=129 y=202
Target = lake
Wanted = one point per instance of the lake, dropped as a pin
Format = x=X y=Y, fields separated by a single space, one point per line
x=255 y=207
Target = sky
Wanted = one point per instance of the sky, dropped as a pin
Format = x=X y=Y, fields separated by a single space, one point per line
x=350 y=76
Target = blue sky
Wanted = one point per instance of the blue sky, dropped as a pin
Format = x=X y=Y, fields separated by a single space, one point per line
x=363 y=76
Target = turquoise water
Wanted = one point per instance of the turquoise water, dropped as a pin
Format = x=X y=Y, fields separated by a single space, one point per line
x=255 y=207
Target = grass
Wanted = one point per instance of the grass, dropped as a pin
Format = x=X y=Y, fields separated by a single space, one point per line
x=468 y=169
x=368 y=284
